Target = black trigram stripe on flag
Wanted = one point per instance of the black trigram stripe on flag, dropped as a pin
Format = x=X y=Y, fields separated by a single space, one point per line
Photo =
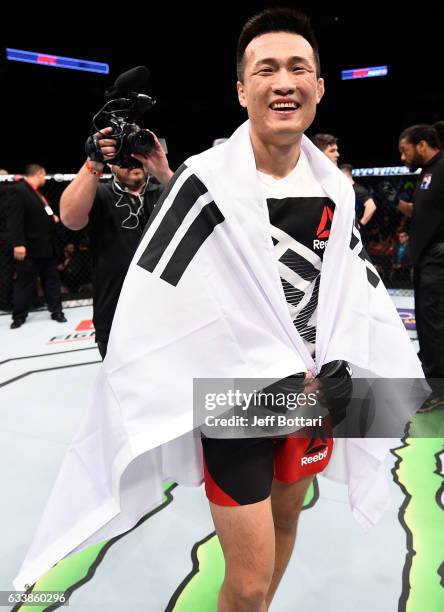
x=364 y=255
x=199 y=230
x=372 y=277
x=191 y=190
x=202 y=226
x=353 y=241
x=165 y=193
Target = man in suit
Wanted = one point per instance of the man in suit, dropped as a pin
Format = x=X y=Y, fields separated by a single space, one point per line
x=31 y=225
x=6 y=259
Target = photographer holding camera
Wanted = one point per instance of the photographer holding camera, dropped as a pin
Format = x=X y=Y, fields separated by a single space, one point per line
x=116 y=213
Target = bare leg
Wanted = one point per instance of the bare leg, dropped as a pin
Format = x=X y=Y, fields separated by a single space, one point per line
x=286 y=503
x=246 y=534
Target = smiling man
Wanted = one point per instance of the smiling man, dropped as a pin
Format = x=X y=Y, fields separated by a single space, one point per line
x=227 y=285
x=256 y=487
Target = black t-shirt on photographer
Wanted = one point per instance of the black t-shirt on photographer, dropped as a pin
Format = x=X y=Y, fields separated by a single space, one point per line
x=116 y=224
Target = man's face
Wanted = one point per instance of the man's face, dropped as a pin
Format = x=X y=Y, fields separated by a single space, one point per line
x=332 y=153
x=403 y=238
x=411 y=154
x=130 y=177
x=280 y=89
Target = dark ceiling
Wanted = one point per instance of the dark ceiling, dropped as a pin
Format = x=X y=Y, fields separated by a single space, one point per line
x=190 y=51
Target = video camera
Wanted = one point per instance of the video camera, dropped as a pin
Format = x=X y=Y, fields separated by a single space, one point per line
x=123 y=108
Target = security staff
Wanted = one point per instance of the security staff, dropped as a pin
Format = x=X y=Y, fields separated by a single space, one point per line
x=31 y=225
x=420 y=148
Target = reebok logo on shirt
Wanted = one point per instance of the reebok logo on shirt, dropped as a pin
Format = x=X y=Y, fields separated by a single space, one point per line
x=323 y=230
x=319 y=244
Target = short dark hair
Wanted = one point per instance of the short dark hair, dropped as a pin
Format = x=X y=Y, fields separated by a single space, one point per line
x=276 y=20
x=439 y=128
x=322 y=141
x=33 y=169
x=347 y=167
x=415 y=133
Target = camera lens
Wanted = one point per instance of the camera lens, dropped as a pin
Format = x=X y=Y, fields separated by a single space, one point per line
x=141 y=142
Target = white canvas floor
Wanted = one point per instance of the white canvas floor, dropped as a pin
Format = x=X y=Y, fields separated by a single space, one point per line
x=46 y=374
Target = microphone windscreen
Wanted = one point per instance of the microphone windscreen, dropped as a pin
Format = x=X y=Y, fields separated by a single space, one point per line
x=133 y=79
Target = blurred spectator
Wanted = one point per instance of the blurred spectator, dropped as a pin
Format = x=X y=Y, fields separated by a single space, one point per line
x=381 y=251
x=365 y=206
x=402 y=262
x=75 y=270
x=328 y=144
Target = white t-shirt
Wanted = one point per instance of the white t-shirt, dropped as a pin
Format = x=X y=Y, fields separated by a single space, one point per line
x=300 y=214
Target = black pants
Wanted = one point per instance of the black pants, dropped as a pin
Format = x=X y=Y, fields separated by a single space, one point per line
x=6 y=275
x=429 y=308
x=102 y=345
x=27 y=272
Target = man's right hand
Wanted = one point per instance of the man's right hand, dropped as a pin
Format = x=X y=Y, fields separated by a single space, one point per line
x=107 y=147
x=19 y=253
x=77 y=200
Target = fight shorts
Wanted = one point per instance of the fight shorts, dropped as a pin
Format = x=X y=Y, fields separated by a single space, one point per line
x=240 y=471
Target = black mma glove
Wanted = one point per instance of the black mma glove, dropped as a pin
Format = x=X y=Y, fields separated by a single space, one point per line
x=93 y=150
x=336 y=388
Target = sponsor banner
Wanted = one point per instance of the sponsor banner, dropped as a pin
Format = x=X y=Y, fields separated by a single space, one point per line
x=408 y=318
x=84 y=331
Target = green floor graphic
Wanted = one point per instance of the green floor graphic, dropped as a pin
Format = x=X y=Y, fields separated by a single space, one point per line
x=70 y=573
x=199 y=590
x=419 y=473
x=66 y=574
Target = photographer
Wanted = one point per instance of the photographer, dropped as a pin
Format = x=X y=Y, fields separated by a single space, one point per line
x=116 y=213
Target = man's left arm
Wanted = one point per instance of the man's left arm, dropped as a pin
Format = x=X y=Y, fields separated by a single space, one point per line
x=369 y=211
x=156 y=162
x=16 y=220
